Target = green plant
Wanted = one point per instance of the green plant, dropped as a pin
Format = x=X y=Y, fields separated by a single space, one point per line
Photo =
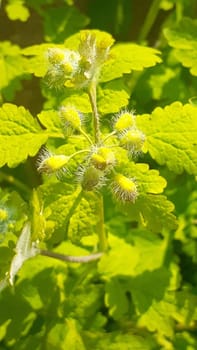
x=98 y=198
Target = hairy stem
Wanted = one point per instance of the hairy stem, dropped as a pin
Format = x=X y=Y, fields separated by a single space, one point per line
x=150 y=18
x=86 y=136
x=92 y=97
x=103 y=243
x=71 y=258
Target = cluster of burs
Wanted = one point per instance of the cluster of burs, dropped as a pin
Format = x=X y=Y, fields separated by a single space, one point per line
x=79 y=70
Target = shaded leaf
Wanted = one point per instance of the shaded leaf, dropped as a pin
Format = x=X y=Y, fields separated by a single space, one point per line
x=183 y=38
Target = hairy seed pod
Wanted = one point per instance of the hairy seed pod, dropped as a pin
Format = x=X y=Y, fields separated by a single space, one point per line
x=124 y=189
x=132 y=140
x=90 y=178
x=49 y=163
x=124 y=121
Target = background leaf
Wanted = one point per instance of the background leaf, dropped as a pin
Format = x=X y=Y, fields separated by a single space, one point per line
x=182 y=37
x=20 y=135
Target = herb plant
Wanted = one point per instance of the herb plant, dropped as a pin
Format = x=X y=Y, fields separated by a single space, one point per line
x=98 y=178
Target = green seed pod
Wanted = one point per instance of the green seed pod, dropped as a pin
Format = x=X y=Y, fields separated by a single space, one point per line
x=124 y=121
x=70 y=117
x=103 y=158
x=132 y=140
x=90 y=178
x=124 y=189
x=49 y=164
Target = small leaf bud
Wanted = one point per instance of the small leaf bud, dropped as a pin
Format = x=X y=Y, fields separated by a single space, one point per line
x=132 y=140
x=124 y=189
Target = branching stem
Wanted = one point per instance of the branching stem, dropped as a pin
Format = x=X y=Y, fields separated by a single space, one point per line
x=71 y=258
x=86 y=136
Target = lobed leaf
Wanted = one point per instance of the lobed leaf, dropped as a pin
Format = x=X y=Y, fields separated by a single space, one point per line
x=112 y=96
x=153 y=212
x=128 y=57
x=20 y=135
x=171 y=136
x=12 y=68
x=17 y=11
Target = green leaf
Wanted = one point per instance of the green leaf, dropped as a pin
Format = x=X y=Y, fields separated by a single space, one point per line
x=65 y=336
x=85 y=219
x=148 y=180
x=20 y=135
x=19 y=313
x=153 y=212
x=117 y=340
x=128 y=57
x=16 y=10
x=143 y=289
x=112 y=97
x=62 y=22
x=116 y=299
x=171 y=135
x=121 y=259
x=79 y=99
x=183 y=38
x=12 y=67
x=51 y=121
x=37 y=62
x=176 y=307
x=184 y=340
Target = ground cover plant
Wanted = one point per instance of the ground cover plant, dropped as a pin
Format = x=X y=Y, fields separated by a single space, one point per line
x=98 y=205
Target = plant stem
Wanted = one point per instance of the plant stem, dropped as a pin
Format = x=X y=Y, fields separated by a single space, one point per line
x=150 y=18
x=108 y=136
x=92 y=97
x=103 y=244
x=86 y=136
x=71 y=258
x=79 y=152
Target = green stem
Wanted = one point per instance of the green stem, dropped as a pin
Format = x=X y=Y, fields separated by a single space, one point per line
x=103 y=244
x=86 y=136
x=179 y=11
x=79 y=152
x=108 y=136
x=71 y=258
x=150 y=18
x=92 y=97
